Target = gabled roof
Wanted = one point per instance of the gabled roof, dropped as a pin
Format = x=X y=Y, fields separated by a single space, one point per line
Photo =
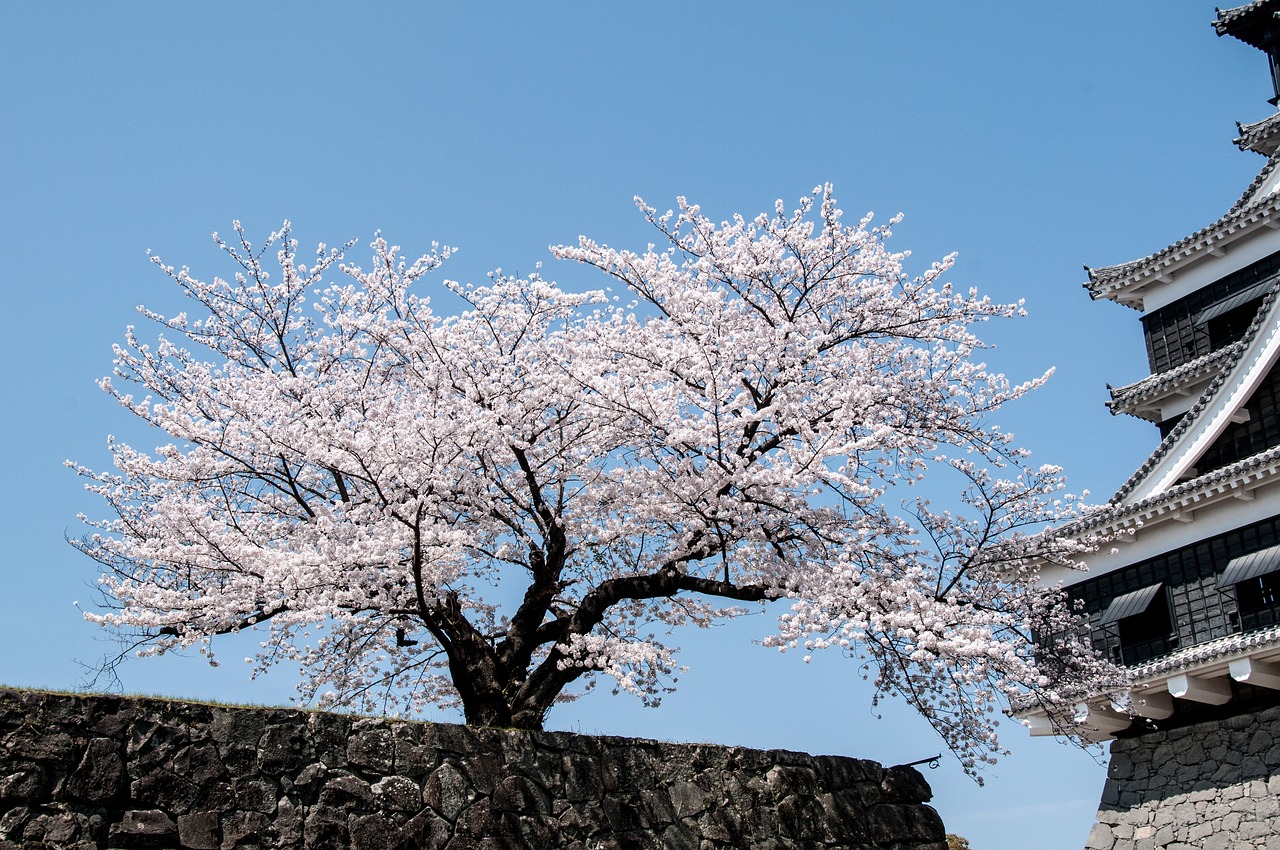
x=1247 y=22
x=1124 y=282
x=1194 y=423
x=1261 y=136
x=1124 y=511
x=1139 y=398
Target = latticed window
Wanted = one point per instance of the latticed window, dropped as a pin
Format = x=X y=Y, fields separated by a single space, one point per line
x=1259 y=432
x=1208 y=318
x=1255 y=581
x=1197 y=593
x=1140 y=621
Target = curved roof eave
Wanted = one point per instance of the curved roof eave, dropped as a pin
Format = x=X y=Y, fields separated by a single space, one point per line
x=1261 y=136
x=1245 y=22
x=1247 y=474
x=1128 y=399
x=1124 y=281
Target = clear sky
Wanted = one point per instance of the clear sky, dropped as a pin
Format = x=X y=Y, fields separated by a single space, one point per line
x=1029 y=137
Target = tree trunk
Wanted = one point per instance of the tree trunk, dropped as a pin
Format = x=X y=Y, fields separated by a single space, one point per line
x=490 y=713
x=491 y=709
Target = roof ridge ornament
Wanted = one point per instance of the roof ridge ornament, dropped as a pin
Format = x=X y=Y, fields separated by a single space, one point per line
x=1261 y=137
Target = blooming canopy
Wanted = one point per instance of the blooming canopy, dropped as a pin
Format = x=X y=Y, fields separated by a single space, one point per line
x=488 y=507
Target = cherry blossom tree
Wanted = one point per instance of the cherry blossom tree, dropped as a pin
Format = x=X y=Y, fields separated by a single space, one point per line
x=497 y=506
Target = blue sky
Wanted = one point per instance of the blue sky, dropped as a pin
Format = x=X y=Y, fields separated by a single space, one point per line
x=1030 y=138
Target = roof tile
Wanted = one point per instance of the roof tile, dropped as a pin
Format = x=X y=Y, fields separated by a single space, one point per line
x=1125 y=399
x=1261 y=136
x=1184 y=424
x=1107 y=279
x=1212 y=650
x=1229 y=19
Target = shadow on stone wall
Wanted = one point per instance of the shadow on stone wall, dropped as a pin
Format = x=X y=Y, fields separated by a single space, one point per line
x=102 y=771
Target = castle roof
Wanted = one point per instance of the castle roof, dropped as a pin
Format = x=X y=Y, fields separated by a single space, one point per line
x=1248 y=22
x=1143 y=398
x=1184 y=498
x=1197 y=673
x=1148 y=497
x=1254 y=210
x=1261 y=136
x=1235 y=370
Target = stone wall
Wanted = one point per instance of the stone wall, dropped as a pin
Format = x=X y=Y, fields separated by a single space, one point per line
x=101 y=771
x=1213 y=785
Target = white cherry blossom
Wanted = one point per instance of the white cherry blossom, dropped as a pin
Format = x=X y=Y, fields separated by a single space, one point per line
x=491 y=507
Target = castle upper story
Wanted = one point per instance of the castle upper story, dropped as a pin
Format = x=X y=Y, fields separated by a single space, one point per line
x=1186 y=592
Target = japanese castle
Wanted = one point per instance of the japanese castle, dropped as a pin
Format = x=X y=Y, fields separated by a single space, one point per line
x=1187 y=595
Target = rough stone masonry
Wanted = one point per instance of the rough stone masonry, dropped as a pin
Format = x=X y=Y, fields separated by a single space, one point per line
x=1214 y=785
x=84 y=771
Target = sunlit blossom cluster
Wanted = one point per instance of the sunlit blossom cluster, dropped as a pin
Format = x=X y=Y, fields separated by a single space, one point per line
x=495 y=506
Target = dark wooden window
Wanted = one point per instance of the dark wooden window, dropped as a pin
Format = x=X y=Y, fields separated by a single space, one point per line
x=1173 y=334
x=1147 y=635
x=1243 y=439
x=1259 y=602
x=1196 y=610
x=1136 y=626
x=1230 y=326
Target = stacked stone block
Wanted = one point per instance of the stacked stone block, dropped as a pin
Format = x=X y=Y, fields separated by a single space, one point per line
x=108 y=772
x=1213 y=785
